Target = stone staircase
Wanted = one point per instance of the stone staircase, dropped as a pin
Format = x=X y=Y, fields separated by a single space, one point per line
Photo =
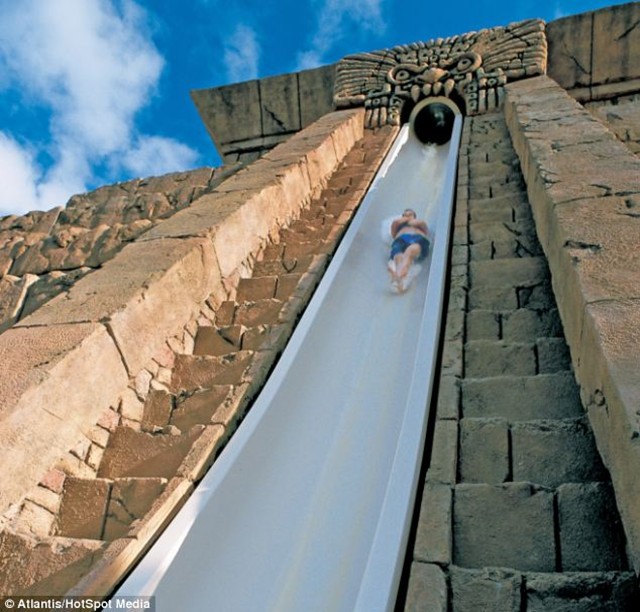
x=517 y=512
x=102 y=505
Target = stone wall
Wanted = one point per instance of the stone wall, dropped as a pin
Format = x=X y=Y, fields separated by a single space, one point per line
x=44 y=253
x=596 y=55
x=584 y=186
x=77 y=358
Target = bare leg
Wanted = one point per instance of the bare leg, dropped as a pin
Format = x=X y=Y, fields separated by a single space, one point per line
x=406 y=259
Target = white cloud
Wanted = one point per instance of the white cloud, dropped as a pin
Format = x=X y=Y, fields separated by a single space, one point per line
x=18 y=174
x=157 y=155
x=242 y=54
x=337 y=19
x=88 y=64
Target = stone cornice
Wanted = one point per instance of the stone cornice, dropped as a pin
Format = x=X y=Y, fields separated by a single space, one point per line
x=471 y=68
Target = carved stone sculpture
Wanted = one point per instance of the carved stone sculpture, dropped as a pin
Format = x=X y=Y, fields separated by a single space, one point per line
x=471 y=69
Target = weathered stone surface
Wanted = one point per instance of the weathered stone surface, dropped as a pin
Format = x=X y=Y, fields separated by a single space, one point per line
x=488 y=589
x=581 y=592
x=13 y=292
x=203 y=371
x=433 y=537
x=553 y=355
x=483 y=325
x=211 y=341
x=427 y=591
x=508 y=525
x=522 y=398
x=130 y=499
x=138 y=454
x=261 y=312
x=444 y=455
x=448 y=406
x=584 y=215
x=524 y=324
x=39 y=419
x=199 y=408
x=83 y=508
x=484 y=451
x=146 y=293
x=157 y=410
x=43 y=566
x=591 y=536
x=550 y=453
x=485 y=358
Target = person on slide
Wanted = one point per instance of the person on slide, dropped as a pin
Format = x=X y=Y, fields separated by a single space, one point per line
x=410 y=245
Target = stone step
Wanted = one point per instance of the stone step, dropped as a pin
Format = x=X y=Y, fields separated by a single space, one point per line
x=218 y=341
x=522 y=325
x=545 y=452
x=191 y=372
x=104 y=509
x=139 y=454
x=522 y=398
x=505 y=590
x=531 y=528
x=44 y=566
x=487 y=358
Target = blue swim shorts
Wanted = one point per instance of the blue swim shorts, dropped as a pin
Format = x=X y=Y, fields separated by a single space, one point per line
x=400 y=244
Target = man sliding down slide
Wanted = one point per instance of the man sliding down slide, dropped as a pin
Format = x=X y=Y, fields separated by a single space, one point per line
x=410 y=245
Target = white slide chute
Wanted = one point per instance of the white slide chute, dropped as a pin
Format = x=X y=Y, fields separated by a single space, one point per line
x=310 y=504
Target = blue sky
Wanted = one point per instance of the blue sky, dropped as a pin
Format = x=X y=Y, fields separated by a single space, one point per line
x=94 y=92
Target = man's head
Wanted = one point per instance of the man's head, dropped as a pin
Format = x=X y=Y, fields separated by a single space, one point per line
x=409 y=212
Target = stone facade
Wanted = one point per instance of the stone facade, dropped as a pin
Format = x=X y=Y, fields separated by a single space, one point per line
x=139 y=321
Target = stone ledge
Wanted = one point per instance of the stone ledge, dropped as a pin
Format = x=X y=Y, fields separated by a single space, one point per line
x=87 y=343
x=584 y=188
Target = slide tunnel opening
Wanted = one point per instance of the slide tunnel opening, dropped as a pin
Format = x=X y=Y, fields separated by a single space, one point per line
x=431 y=120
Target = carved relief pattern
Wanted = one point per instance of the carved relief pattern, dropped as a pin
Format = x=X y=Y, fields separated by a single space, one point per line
x=473 y=67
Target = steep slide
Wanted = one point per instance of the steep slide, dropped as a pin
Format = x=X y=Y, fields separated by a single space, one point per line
x=309 y=506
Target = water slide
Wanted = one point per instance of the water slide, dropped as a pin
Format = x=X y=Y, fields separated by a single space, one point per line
x=309 y=506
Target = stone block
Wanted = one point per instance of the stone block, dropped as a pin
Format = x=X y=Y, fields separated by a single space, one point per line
x=138 y=454
x=517 y=272
x=526 y=324
x=203 y=453
x=591 y=535
x=157 y=410
x=261 y=312
x=510 y=525
x=279 y=104
x=616 y=44
x=427 y=590
x=448 y=400
x=433 y=542
x=256 y=288
x=444 y=453
x=146 y=294
x=210 y=340
x=492 y=298
x=483 y=325
x=83 y=508
x=553 y=355
x=522 y=398
x=216 y=105
x=45 y=567
x=316 y=93
x=484 y=451
x=202 y=371
x=130 y=500
x=40 y=419
x=200 y=407
x=550 y=453
x=488 y=589
x=581 y=592
x=570 y=50
x=484 y=358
